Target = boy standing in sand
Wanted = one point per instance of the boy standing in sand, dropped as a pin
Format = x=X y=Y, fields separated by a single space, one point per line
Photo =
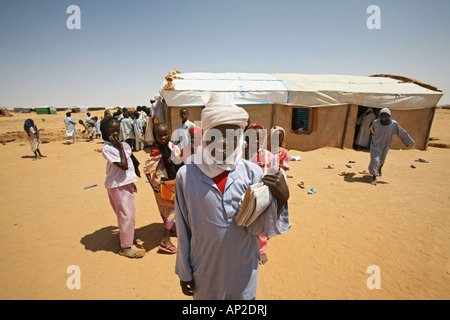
x=382 y=131
x=217 y=259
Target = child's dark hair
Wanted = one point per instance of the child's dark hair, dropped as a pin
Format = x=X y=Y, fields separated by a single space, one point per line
x=106 y=122
x=166 y=152
x=157 y=127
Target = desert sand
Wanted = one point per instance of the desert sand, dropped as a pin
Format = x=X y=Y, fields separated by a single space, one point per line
x=48 y=222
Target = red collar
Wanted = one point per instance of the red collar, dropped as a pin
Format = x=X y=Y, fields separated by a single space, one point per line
x=221 y=180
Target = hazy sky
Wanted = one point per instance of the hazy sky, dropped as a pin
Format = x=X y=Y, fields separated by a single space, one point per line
x=125 y=48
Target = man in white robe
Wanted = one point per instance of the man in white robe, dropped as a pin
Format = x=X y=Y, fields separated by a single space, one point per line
x=70 y=128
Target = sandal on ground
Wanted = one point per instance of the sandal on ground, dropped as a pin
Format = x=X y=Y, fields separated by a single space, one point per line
x=169 y=249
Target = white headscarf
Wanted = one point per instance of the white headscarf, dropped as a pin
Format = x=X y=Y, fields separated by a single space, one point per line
x=214 y=114
x=385 y=110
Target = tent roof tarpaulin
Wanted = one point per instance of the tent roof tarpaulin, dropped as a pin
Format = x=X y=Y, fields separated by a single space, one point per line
x=329 y=90
x=237 y=88
x=300 y=89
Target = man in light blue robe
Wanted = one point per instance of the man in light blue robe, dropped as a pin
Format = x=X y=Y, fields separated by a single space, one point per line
x=216 y=258
x=382 y=131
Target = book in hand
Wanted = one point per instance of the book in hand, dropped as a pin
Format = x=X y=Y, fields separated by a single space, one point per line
x=255 y=201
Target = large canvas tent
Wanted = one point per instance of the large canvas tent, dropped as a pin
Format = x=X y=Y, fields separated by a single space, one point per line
x=316 y=110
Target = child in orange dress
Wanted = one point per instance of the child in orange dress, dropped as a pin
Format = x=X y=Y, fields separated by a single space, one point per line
x=160 y=169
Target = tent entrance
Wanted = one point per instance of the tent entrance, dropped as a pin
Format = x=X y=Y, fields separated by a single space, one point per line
x=365 y=118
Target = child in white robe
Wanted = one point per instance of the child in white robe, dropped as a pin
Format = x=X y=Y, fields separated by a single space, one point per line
x=382 y=131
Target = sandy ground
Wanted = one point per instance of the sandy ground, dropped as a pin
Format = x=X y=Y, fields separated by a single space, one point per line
x=48 y=222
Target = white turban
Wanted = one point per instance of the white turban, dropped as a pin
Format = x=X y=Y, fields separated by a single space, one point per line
x=213 y=115
x=216 y=113
x=385 y=110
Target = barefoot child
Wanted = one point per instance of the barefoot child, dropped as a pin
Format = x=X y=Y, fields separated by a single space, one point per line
x=33 y=133
x=120 y=178
x=382 y=131
x=217 y=259
x=161 y=169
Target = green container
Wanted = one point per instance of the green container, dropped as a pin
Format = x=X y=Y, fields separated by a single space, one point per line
x=42 y=110
x=45 y=110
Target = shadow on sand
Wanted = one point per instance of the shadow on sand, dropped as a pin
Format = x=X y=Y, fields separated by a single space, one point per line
x=367 y=178
x=107 y=238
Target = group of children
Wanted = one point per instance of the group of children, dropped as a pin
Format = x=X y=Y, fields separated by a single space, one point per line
x=169 y=152
x=216 y=258
x=202 y=190
x=91 y=128
x=159 y=169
